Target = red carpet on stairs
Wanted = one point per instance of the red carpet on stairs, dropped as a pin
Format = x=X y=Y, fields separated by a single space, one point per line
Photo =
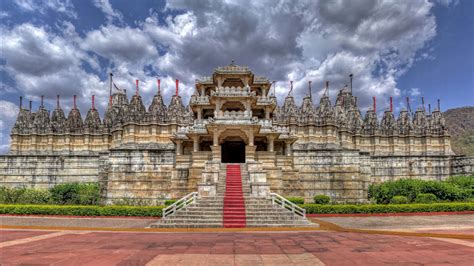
x=234 y=204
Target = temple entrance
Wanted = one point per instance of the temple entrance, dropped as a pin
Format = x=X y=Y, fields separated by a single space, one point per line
x=233 y=152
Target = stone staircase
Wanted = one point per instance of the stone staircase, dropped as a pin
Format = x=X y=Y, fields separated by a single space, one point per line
x=208 y=212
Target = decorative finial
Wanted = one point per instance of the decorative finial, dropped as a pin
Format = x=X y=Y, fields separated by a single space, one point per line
x=42 y=100
x=110 y=85
x=232 y=63
x=57 y=101
x=408 y=104
x=391 y=104
x=75 y=106
x=159 y=86
x=177 y=86
x=93 y=102
x=136 y=88
x=375 y=104
x=326 y=90
x=350 y=78
x=21 y=102
x=429 y=108
x=439 y=105
x=31 y=104
x=423 y=103
x=309 y=88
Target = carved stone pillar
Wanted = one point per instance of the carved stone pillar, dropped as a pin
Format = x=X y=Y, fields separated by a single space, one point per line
x=270 y=144
x=267 y=114
x=288 y=149
x=195 y=143
x=199 y=114
x=215 y=139
x=179 y=146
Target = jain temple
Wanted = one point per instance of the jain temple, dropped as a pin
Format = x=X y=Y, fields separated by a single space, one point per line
x=149 y=154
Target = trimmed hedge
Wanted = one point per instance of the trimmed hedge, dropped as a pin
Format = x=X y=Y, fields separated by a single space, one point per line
x=426 y=198
x=170 y=202
x=78 y=210
x=295 y=200
x=382 y=193
x=321 y=199
x=390 y=208
x=399 y=200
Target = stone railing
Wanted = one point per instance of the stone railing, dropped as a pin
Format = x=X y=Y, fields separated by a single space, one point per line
x=199 y=100
x=264 y=100
x=233 y=92
x=233 y=115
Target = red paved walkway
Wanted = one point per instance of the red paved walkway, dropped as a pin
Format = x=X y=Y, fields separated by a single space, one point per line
x=330 y=248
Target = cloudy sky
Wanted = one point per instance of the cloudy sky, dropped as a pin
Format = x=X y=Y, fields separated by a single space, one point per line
x=394 y=48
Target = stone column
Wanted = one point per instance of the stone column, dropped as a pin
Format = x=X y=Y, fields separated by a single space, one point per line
x=195 y=143
x=179 y=147
x=267 y=114
x=199 y=114
x=270 y=146
x=251 y=137
x=288 y=149
x=264 y=92
x=215 y=139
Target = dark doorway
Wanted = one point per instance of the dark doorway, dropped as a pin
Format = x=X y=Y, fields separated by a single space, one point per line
x=233 y=152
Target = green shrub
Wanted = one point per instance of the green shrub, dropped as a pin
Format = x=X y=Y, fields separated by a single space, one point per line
x=24 y=196
x=426 y=198
x=460 y=181
x=390 y=208
x=76 y=210
x=399 y=200
x=382 y=193
x=295 y=200
x=322 y=199
x=76 y=194
x=170 y=202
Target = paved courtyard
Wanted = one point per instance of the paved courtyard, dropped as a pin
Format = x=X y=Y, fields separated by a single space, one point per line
x=316 y=247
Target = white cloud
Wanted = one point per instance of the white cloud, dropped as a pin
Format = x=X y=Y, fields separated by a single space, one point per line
x=9 y=112
x=61 y=6
x=110 y=13
x=415 y=92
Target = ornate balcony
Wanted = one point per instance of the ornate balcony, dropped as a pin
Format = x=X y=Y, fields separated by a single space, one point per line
x=199 y=100
x=233 y=92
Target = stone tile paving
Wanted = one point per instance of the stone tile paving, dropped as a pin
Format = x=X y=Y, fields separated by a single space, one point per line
x=240 y=248
x=13 y=235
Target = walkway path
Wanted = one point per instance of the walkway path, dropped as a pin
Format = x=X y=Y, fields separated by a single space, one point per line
x=312 y=247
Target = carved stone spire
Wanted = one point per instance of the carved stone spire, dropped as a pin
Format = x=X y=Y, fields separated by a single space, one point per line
x=388 y=123
x=22 y=123
x=92 y=123
x=157 y=110
x=325 y=111
x=438 y=124
x=420 y=123
x=307 y=114
x=289 y=111
x=42 y=123
x=340 y=115
x=58 y=119
x=404 y=124
x=74 y=120
x=136 y=110
x=176 y=110
x=370 y=125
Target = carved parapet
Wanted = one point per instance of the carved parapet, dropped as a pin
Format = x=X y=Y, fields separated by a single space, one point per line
x=199 y=100
x=264 y=101
x=233 y=92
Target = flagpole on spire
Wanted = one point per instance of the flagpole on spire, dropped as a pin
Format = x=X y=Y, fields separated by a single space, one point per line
x=375 y=104
x=75 y=106
x=159 y=86
x=21 y=102
x=309 y=88
x=350 y=78
x=136 y=87
x=291 y=88
x=93 y=102
x=57 y=101
x=177 y=86
x=110 y=85
x=326 y=88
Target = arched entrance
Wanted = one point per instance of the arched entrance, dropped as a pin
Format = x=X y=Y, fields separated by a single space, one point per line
x=233 y=142
x=233 y=151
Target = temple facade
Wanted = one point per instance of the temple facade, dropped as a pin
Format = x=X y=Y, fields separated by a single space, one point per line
x=146 y=155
